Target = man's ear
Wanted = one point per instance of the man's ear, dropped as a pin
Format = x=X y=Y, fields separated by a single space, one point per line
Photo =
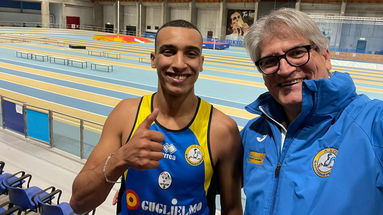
x=202 y=60
x=327 y=57
x=152 y=58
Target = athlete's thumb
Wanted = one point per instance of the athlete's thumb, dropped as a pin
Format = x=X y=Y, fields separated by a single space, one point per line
x=150 y=119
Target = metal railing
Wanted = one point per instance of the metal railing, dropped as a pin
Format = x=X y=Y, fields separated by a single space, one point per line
x=65 y=132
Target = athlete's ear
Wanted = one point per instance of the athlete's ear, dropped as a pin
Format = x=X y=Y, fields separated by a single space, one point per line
x=202 y=60
x=152 y=60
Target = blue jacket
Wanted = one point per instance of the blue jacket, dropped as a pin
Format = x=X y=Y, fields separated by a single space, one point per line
x=332 y=157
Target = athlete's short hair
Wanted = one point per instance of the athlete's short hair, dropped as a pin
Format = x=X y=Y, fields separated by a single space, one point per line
x=176 y=23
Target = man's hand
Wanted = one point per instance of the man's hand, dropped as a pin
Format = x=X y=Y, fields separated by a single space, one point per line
x=144 y=149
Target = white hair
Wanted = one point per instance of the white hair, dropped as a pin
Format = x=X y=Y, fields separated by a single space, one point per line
x=282 y=21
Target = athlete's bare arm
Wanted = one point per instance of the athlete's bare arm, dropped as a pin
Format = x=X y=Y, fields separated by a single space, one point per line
x=227 y=155
x=90 y=187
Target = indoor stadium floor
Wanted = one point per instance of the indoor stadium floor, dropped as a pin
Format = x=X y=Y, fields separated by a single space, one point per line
x=229 y=81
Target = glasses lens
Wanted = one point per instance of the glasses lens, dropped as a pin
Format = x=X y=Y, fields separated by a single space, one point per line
x=297 y=56
x=268 y=64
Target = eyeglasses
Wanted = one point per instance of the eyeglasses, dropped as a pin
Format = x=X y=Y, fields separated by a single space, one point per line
x=297 y=56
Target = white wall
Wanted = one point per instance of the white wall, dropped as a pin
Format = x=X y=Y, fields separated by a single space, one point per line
x=207 y=20
x=241 y=6
x=56 y=12
x=321 y=9
x=130 y=15
x=364 y=10
x=11 y=17
x=179 y=11
x=85 y=13
x=153 y=18
x=109 y=14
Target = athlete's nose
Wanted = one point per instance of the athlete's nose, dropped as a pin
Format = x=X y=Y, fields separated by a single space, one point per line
x=179 y=63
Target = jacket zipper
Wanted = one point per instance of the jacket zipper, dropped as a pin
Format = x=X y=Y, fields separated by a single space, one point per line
x=279 y=164
x=277 y=170
x=275 y=189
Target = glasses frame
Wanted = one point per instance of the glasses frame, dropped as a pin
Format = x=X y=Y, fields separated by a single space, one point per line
x=279 y=57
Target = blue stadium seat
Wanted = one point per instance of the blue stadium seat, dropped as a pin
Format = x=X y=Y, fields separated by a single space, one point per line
x=48 y=208
x=24 y=197
x=12 y=179
x=7 y=209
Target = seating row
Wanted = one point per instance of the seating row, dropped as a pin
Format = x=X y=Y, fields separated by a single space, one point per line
x=25 y=198
x=64 y=61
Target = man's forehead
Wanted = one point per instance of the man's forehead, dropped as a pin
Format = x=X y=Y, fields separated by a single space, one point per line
x=173 y=33
x=168 y=29
x=173 y=46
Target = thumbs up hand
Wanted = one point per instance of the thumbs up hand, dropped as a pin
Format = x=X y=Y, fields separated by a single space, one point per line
x=144 y=149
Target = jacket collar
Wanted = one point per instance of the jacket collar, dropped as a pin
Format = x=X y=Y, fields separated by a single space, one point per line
x=320 y=97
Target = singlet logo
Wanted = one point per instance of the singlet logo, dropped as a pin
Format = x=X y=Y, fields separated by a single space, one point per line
x=324 y=161
x=169 y=150
x=132 y=200
x=164 y=180
x=194 y=155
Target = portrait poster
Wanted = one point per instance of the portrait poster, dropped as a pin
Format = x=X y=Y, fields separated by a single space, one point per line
x=238 y=23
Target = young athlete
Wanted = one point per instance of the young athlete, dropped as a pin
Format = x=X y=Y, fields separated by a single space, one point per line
x=172 y=149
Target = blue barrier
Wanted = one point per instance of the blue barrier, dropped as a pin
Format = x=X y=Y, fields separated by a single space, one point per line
x=13 y=116
x=149 y=35
x=237 y=43
x=215 y=45
x=351 y=50
x=37 y=125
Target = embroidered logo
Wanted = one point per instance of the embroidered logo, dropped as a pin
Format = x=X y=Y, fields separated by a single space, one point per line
x=194 y=155
x=169 y=150
x=132 y=200
x=324 y=161
x=164 y=180
x=257 y=158
x=260 y=139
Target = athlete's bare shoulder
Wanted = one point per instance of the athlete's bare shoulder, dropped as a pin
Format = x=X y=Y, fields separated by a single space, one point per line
x=222 y=122
x=127 y=106
x=224 y=136
x=122 y=117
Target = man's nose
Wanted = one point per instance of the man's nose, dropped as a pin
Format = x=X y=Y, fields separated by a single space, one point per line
x=285 y=68
x=179 y=61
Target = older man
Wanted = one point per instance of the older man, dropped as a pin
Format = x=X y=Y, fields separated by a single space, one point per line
x=316 y=147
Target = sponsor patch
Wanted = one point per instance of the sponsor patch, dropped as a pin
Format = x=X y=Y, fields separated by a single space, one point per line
x=194 y=155
x=323 y=162
x=164 y=180
x=257 y=158
x=132 y=200
x=169 y=150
